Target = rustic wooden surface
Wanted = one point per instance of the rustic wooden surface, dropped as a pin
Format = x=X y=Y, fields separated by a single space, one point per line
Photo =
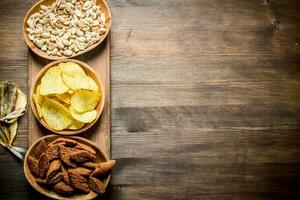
x=205 y=99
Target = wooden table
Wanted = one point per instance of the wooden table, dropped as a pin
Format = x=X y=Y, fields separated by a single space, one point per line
x=205 y=99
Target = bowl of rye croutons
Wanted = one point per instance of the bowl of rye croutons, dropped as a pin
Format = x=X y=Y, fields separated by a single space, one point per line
x=70 y=167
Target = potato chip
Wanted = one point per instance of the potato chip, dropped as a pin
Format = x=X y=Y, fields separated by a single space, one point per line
x=76 y=125
x=37 y=106
x=74 y=82
x=86 y=117
x=71 y=69
x=55 y=114
x=92 y=84
x=85 y=100
x=52 y=82
x=83 y=82
x=65 y=97
x=38 y=95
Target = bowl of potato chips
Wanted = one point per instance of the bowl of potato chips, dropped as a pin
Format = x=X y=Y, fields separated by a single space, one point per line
x=67 y=97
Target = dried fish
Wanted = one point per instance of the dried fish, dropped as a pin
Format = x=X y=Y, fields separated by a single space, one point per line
x=12 y=105
x=20 y=108
x=8 y=98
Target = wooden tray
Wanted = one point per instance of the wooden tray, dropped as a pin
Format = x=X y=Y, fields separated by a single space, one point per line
x=99 y=59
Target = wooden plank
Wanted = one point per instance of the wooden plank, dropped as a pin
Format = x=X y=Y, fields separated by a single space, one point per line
x=203 y=28
x=99 y=60
x=205 y=100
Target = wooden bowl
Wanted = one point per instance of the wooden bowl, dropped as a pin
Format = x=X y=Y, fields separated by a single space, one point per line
x=89 y=71
x=39 y=52
x=31 y=179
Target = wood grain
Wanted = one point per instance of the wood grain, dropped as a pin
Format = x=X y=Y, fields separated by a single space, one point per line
x=205 y=99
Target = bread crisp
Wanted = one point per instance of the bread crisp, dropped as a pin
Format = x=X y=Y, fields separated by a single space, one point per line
x=33 y=165
x=65 y=153
x=68 y=167
x=66 y=175
x=91 y=165
x=82 y=171
x=81 y=156
x=52 y=152
x=41 y=181
x=65 y=141
x=43 y=165
x=41 y=148
x=103 y=168
x=63 y=189
x=53 y=169
x=79 y=182
x=81 y=146
x=96 y=185
x=58 y=177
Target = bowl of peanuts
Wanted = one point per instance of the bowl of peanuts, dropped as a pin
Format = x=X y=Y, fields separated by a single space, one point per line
x=60 y=29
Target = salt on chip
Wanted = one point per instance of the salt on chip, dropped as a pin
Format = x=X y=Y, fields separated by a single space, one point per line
x=52 y=82
x=71 y=69
x=76 y=125
x=55 y=114
x=37 y=106
x=86 y=117
x=85 y=100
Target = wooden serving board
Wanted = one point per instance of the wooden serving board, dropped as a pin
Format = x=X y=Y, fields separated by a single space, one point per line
x=99 y=60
